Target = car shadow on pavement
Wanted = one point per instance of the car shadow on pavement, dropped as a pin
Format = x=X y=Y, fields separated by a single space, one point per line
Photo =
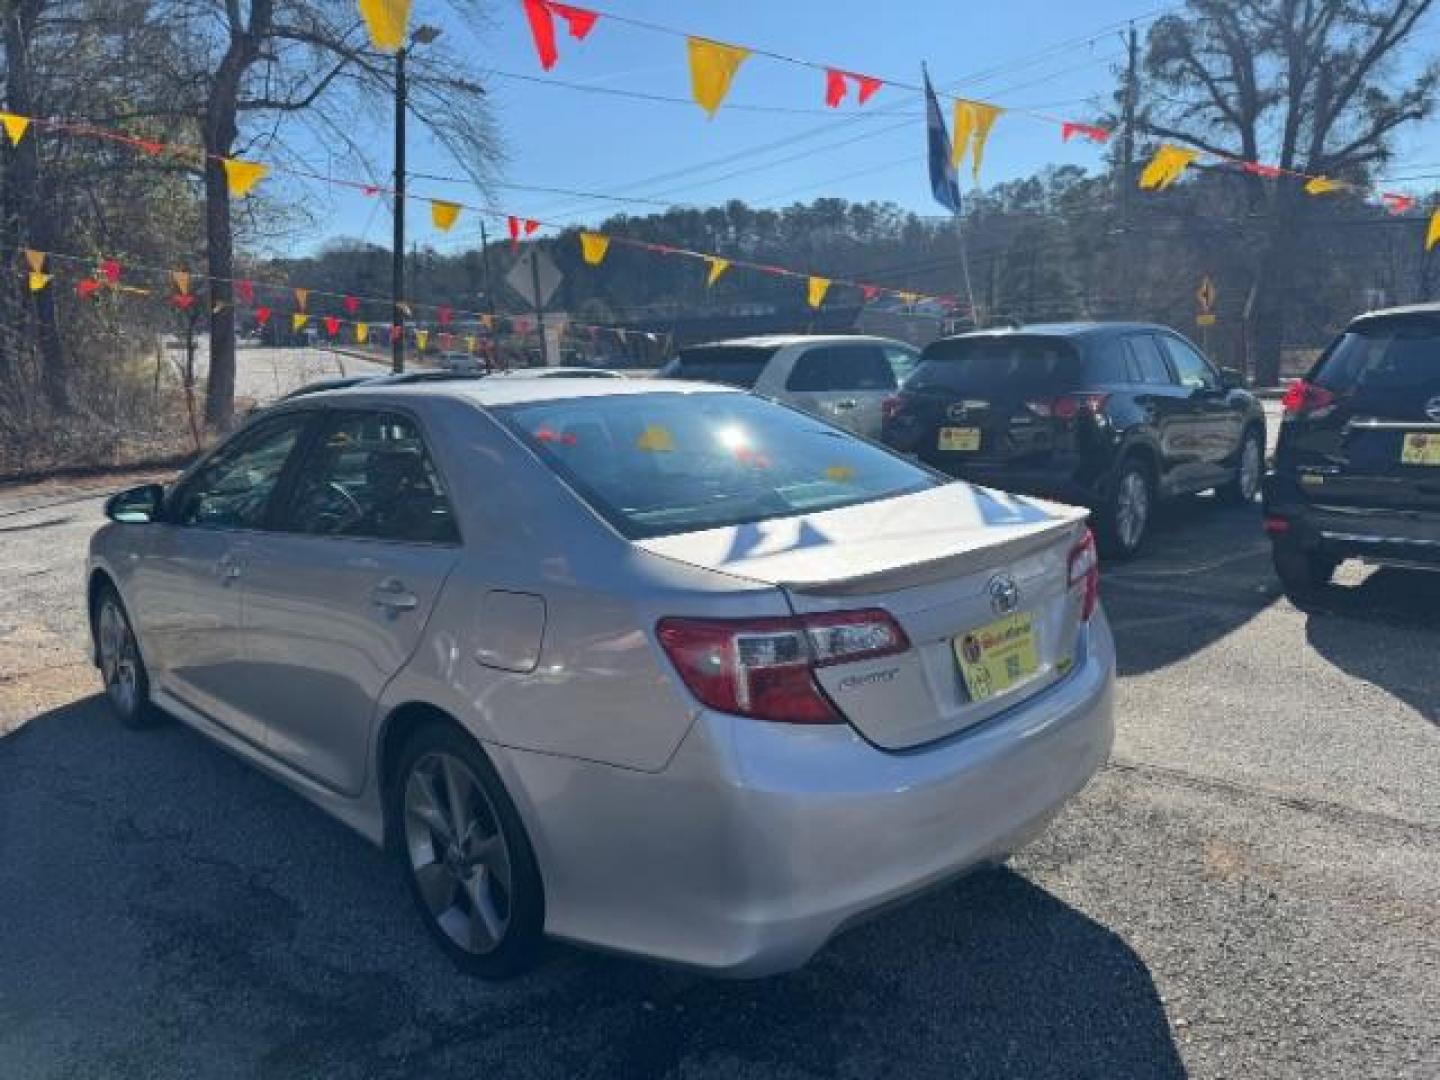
x=168 y=910
x=1383 y=627
x=1205 y=572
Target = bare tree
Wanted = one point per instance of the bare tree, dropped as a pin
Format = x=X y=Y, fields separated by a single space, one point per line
x=1314 y=86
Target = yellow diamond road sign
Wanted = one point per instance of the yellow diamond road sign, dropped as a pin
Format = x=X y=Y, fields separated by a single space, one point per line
x=1206 y=294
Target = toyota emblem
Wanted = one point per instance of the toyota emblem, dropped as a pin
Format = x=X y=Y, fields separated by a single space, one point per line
x=1432 y=408
x=1004 y=594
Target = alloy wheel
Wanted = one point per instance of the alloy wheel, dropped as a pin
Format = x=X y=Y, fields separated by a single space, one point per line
x=119 y=658
x=1249 y=476
x=457 y=853
x=1132 y=508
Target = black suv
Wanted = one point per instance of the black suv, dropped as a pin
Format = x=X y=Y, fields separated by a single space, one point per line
x=1106 y=415
x=1357 y=469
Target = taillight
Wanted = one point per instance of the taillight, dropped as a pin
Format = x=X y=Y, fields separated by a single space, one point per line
x=1276 y=526
x=1068 y=406
x=1084 y=576
x=891 y=407
x=765 y=668
x=1303 y=397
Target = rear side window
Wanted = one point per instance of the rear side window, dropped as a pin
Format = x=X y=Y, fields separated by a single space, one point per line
x=1150 y=366
x=657 y=464
x=842 y=367
x=732 y=365
x=1390 y=365
x=1007 y=367
x=1108 y=361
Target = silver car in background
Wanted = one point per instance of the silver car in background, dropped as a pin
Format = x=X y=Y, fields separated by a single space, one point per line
x=843 y=378
x=658 y=667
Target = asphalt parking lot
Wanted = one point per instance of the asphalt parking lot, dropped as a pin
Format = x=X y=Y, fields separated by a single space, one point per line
x=1252 y=888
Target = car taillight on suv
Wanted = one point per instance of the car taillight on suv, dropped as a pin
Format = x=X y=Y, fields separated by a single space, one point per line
x=765 y=668
x=1068 y=406
x=1304 y=398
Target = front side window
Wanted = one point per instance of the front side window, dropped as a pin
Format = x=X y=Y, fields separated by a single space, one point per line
x=232 y=490
x=841 y=367
x=369 y=476
x=1193 y=369
x=658 y=464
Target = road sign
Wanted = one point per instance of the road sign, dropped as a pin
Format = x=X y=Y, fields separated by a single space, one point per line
x=1205 y=318
x=535 y=270
x=1206 y=294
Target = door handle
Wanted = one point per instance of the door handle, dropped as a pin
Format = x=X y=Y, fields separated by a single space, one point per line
x=848 y=403
x=392 y=595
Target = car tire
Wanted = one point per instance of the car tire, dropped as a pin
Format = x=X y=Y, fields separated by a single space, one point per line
x=1303 y=573
x=463 y=850
x=1123 y=519
x=1249 y=467
x=117 y=655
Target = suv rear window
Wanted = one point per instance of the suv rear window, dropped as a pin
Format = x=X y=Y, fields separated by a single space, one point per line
x=732 y=365
x=658 y=464
x=1384 y=365
x=998 y=366
x=841 y=367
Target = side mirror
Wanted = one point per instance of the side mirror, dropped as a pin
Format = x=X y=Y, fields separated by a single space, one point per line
x=137 y=505
x=1231 y=379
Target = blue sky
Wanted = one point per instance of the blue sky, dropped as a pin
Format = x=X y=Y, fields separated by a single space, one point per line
x=1025 y=54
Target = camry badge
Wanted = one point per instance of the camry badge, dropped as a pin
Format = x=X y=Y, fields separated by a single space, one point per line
x=1004 y=594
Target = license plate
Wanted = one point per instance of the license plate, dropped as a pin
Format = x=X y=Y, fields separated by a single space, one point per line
x=997 y=656
x=1420 y=448
x=960 y=438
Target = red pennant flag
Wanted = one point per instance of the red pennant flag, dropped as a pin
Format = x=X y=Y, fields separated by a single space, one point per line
x=396 y=331
x=513 y=223
x=352 y=305
x=1095 y=134
x=835 y=86
x=444 y=314
x=111 y=269
x=262 y=315
x=1397 y=204
x=1270 y=172
x=531 y=226
x=154 y=149
x=245 y=291
x=541 y=16
x=370 y=189
x=869 y=292
x=332 y=325
x=183 y=301
x=87 y=287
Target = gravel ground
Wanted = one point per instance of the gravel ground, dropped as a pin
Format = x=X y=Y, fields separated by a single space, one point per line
x=1251 y=888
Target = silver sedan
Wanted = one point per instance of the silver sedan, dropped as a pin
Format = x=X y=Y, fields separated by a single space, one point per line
x=663 y=668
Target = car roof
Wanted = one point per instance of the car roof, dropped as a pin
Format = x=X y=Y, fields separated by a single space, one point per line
x=1432 y=308
x=779 y=341
x=495 y=392
x=1063 y=329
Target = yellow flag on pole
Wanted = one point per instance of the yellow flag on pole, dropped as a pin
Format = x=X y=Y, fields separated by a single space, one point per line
x=38 y=280
x=1166 y=166
x=302 y=296
x=298 y=321
x=712 y=67
x=182 y=281
x=362 y=333
x=387 y=21
x=819 y=286
x=35 y=260
x=421 y=338
x=241 y=176
x=593 y=247
x=718 y=266
x=1433 y=236
x=973 y=121
x=15 y=126
x=443 y=214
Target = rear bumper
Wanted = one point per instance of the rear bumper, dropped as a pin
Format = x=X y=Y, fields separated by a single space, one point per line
x=759 y=842
x=1376 y=534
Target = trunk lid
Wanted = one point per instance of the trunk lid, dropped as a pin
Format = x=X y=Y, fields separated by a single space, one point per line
x=952 y=565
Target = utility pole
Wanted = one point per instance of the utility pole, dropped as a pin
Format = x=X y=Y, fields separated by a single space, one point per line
x=489 y=295
x=422 y=35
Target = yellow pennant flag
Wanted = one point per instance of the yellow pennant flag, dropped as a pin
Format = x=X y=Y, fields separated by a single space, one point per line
x=298 y=321
x=35 y=259
x=1433 y=236
x=1323 y=185
x=1166 y=166
x=909 y=299
x=718 y=266
x=301 y=297
x=182 y=281
x=470 y=343
x=241 y=176
x=38 y=280
x=387 y=21
x=819 y=286
x=593 y=247
x=421 y=337
x=487 y=321
x=15 y=126
x=973 y=121
x=712 y=66
x=443 y=214
x=362 y=333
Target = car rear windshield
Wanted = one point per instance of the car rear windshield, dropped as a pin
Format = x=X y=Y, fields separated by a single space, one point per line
x=664 y=463
x=731 y=365
x=1007 y=367
x=1384 y=365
